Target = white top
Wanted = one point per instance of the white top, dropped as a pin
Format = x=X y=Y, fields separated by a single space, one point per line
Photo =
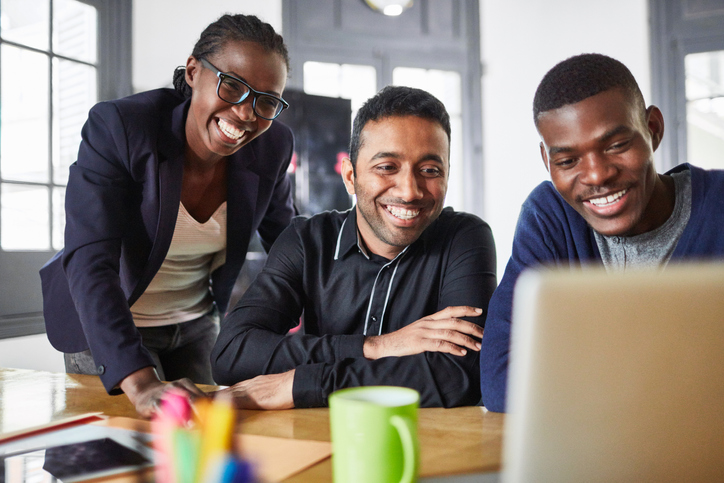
x=180 y=291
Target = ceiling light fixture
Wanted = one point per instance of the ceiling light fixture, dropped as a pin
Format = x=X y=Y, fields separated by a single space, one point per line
x=391 y=8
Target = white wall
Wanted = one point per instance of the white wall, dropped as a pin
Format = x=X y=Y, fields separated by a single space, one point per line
x=165 y=31
x=521 y=41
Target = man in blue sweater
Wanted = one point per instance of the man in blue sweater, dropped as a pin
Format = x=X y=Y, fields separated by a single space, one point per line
x=605 y=203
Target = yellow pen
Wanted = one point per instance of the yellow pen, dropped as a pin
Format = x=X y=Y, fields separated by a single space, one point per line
x=217 y=433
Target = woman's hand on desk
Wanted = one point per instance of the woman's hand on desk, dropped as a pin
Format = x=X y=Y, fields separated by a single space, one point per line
x=145 y=390
x=272 y=391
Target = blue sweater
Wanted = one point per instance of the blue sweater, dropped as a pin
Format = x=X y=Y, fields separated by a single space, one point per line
x=550 y=232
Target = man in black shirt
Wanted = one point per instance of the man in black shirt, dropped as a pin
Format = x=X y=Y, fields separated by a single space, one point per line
x=382 y=287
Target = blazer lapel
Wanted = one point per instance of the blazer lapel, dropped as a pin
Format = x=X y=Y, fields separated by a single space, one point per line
x=170 y=177
x=242 y=191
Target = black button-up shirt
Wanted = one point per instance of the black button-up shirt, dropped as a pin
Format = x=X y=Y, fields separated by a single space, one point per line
x=318 y=268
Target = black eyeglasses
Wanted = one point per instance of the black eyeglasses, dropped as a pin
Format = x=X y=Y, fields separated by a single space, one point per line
x=234 y=91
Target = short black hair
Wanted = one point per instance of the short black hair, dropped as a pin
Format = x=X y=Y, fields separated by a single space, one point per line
x=397 y=101
x=232 y=28
x=580 y=77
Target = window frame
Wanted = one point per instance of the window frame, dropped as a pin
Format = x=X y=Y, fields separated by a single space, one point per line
x=675 y=33
x=19 y=269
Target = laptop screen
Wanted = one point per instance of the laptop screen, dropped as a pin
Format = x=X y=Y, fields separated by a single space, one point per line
x=617 y=377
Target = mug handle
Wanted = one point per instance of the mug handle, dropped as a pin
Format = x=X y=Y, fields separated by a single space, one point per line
x=406 y=430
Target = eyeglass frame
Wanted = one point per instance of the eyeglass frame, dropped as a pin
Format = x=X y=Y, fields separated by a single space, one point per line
x=253 y=91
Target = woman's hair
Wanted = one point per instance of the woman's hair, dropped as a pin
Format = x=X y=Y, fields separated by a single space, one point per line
x=231 y=28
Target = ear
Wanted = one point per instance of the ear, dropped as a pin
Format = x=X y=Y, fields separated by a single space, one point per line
x=193 y=68
x=544 y=156
x=348 y=175
x=655 y=124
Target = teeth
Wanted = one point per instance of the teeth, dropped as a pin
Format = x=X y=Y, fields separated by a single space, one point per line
x=402 y=213
x=230 y=130
x=607 y=200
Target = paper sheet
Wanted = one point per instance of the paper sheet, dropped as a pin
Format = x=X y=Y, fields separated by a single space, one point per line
x=52 y=426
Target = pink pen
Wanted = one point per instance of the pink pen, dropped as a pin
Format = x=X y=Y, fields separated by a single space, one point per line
x=177 y=407
x=174 y=412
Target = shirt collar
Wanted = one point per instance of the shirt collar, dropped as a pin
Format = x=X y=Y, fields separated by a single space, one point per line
x=347 y=236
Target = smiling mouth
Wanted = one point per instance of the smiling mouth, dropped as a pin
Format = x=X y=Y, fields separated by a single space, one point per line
x=608 y=200
x=229 y=130
x=402 y=213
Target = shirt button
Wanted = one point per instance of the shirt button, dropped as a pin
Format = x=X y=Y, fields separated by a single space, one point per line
x=374 y=318
x=101 y=370
x=616 y=240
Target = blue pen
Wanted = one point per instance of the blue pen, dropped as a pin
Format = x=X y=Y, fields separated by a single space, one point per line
x=233 y=470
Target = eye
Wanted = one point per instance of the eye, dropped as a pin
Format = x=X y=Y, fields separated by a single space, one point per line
x=385 y=168
x=267 y=101
x=431 y=172
x=564 y=162
x=618 y=146
x=231 y=85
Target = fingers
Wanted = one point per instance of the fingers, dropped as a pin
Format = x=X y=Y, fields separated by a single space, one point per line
x=456 y=311
x=187 y=386
x=451 y=335
x=462 y=326
x=450 y=341
x=271 y=391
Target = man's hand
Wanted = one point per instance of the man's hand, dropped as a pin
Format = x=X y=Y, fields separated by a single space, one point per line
x=145 y=390
x=439 y=332
x=272 y=391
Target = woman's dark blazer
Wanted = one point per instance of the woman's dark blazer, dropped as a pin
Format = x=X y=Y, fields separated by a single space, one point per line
x=121 y=203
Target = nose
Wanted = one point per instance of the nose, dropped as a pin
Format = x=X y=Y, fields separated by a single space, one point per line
x=597 y=170
x=409 y=186
x=245 y=110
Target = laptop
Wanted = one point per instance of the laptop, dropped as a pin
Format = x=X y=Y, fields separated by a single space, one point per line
x=617 y=377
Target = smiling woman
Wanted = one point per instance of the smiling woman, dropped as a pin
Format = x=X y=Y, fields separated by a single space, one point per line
x=168 y=189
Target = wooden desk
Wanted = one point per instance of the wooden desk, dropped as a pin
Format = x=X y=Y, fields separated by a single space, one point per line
x=460 y=440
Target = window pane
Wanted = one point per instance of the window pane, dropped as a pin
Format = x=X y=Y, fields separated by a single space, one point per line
x=443 y=84
x=74 y=30
x=358 y=83
x=456 y=181
x=24 y=123
x=26 y=22
x=446 y=86
x=349 y=81
x=58 y=218
x=321 y=79
x=25 y=219
x=705 y=108
x=74 y=93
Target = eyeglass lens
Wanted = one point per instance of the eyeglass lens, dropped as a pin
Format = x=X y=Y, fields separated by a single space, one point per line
x=233 y=91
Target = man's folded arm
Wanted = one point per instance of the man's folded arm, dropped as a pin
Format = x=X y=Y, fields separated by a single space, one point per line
x=443 y=380
x=254 y=341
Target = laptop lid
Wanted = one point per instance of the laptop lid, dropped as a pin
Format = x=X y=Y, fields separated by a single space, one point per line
x=617 y=377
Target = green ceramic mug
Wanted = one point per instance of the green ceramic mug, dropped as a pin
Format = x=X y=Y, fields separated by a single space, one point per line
x=374 y=434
